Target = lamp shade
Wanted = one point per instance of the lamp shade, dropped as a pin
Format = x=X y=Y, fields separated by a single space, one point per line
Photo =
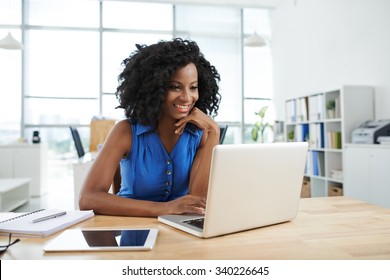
x=9 y=42
x=255 y=41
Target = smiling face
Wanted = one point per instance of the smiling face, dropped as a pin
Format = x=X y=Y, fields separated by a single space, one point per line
x=182 y=93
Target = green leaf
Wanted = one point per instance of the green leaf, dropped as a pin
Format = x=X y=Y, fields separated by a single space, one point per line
x=255 y=134
x=262 y=111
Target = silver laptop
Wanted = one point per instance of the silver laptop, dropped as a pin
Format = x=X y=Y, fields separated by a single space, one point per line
x=250 y=186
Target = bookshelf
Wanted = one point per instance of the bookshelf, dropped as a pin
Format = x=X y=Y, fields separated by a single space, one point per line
x=327 y=131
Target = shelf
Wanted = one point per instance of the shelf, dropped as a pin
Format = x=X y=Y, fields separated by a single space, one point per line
x=308 y=119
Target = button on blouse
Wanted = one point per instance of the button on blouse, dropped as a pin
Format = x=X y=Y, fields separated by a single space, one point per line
x=150 y=173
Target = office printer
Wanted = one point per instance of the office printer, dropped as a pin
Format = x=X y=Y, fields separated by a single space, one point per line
x=369 y=131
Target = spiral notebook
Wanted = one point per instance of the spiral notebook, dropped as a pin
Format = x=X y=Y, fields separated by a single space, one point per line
x=43 y=222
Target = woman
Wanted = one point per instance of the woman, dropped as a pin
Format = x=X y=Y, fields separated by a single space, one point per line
x=164 y=147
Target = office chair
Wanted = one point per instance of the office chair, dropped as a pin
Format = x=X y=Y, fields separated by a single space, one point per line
x=223 y=129
x=77 y=142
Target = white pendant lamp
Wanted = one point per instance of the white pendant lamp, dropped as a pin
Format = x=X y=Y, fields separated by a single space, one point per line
x=255 y=41
x=10 y=43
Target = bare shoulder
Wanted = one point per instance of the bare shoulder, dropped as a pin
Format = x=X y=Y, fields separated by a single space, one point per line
x=120 y=135
x=123 y=126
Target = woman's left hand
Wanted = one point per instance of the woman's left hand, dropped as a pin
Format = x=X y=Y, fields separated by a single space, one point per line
x=198 y=118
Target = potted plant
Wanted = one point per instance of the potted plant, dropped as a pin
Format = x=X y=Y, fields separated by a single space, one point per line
x=260 y=126
x=290 y=136
x=330 y=107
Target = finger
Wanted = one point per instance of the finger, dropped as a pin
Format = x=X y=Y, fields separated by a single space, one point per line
x=202 y=202
x=198 y=202
x=195 y=210
x=179 y=130
x=193 y=116
x=181 y=121
x=195 y=199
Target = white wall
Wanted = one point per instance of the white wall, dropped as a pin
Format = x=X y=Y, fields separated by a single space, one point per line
x=319 y=45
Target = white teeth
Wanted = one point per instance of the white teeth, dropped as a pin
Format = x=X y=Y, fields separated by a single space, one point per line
x=181 y=106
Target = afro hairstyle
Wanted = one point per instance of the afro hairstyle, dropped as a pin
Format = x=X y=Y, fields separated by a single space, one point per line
x=144 y=80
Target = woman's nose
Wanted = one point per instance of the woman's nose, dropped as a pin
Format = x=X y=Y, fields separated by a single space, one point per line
x=186 y=94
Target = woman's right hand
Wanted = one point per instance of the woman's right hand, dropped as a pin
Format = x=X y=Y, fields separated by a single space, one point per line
x=188 y=204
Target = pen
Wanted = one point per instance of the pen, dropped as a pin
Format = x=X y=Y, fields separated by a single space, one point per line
x=52 y=216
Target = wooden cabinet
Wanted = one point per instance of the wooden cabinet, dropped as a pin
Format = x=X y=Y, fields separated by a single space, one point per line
x=367 y=170
x=25 y=161
x=308 y=118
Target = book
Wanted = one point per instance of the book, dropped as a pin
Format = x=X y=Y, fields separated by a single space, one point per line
x=43 y=222
x=291 y=111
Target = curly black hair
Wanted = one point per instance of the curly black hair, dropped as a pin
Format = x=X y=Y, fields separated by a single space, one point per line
x=143 y=82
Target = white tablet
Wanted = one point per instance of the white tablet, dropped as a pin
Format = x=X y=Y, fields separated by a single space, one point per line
x=103 y=240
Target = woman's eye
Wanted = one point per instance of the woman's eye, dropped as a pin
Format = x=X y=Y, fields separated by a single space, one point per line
x=174 y=87
x=194 y=88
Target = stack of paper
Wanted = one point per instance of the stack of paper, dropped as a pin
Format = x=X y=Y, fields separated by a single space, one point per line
x=42 y=222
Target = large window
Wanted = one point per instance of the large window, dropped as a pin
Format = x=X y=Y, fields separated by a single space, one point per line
x=218 y=33
x=10 y=73
x=257 y=73
x=10 y=90
x=67 y=72
x=64 y=13
x=62 y=77
x=137 y=16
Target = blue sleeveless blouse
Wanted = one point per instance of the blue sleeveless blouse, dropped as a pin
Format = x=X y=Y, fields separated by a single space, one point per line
x=149 y=172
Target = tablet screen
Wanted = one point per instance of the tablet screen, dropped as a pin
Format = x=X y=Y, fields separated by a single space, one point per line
x=108 y=238
x=103 y=240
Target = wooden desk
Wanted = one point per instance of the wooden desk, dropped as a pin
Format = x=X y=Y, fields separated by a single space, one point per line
x=325 y=228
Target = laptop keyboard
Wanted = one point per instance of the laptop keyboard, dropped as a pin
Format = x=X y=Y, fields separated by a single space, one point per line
x=195 y=222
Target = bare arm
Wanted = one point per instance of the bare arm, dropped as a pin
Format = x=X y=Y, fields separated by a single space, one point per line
x=200 y=170
x=95 y=195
